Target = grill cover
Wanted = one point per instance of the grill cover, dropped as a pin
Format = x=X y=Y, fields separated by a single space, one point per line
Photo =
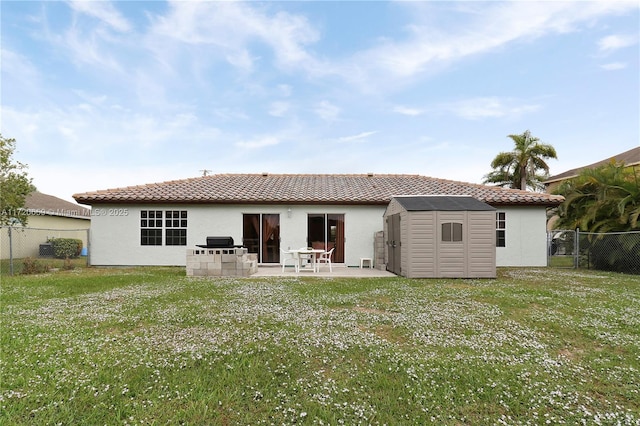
x=218 y=242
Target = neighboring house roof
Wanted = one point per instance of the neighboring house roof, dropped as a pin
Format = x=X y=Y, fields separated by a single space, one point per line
x=442 y=203
x=309 y=189
x=629 y=158
x=41 y=204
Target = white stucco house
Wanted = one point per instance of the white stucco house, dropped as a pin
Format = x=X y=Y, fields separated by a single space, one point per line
x=154 y=224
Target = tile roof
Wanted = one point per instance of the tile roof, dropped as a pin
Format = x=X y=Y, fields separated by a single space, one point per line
x=308 y=189
x=629 y=158
x=48 y=205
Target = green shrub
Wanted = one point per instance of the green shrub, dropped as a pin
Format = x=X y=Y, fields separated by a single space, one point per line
x=66 y=248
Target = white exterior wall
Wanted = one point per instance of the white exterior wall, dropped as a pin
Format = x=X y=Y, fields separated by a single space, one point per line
x=360 y=225
x=526 y=238
x=115 y=230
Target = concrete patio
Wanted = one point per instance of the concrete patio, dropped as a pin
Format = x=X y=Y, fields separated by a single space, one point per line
x=338 y=271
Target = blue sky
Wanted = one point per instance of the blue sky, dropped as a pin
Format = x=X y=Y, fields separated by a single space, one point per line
x=103 y=94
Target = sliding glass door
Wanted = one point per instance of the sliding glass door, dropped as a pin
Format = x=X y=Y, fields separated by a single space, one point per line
x=261 y=235
x=326 y=231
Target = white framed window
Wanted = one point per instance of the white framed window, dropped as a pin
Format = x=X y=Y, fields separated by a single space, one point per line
x=170 y=223
x=175 y=228
x=501 y=229
x=151 y=227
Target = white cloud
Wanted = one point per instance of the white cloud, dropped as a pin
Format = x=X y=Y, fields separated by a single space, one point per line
x=278 y=108
x=257 y=143
x=327 y=111
x=91 y=98
x=18 y=65
x=357 y=137
x=486 y=27
x=614 y=42
x=86 y=132
x=413 y=112
x=104 y=11
x=241 y=59
x=229 y=114
x=19 y=74
x=613 y=66
x=490 y=107
x=88 y=49
x=238 y=32
x=63 y=182
x=231 y=27
x=287 y=34
x=285 y=90
x=86 y=42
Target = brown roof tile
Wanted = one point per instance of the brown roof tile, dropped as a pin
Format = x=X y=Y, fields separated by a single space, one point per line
x=308 y=189
x=43 y=204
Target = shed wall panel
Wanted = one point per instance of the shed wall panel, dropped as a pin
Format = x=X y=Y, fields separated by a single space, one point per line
x=451 y=254
x=421 y=254
x=481 y=253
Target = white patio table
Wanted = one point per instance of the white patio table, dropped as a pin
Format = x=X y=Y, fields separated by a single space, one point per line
x=314 y=253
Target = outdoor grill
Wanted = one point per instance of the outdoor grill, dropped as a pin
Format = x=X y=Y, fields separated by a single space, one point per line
x=218 y=243
x=221 y=258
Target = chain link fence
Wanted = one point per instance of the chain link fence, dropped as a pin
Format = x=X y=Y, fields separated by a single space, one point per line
x=19 y=243
x=612 y=251
x=561 y=248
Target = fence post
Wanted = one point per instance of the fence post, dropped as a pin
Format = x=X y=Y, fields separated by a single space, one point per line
x=576 y=258
x=88 y=247
x=10 y=252
x=548 y=248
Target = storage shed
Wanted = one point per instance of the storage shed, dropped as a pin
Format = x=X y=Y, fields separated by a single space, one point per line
x=440 y=237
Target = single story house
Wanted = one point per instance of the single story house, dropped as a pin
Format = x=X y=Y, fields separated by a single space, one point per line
x=154 y=224
x=630 y=158
x=48 y=212
x=48 y=217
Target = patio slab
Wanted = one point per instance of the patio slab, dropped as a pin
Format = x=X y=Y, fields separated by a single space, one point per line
x=338 y=271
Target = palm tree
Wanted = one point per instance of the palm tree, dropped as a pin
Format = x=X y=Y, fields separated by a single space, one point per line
x=519 y=169
x=604 y=202
x=602 y=199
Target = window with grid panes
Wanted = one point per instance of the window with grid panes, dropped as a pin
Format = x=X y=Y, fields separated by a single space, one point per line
x=501 y=226
x=151 y=227
x=176 y=227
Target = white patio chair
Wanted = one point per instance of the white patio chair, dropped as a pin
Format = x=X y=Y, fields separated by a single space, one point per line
x=287 y=256
x=325 y=258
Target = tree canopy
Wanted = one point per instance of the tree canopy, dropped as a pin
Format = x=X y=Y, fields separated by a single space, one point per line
x=15 y=185
x=520 y=168
x=601 y=199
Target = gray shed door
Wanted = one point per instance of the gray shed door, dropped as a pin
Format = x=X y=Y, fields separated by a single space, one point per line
x=393 y=244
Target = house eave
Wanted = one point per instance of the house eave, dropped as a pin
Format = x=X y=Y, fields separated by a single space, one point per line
x=71 y=214
x=547 y=203
x=235 y=202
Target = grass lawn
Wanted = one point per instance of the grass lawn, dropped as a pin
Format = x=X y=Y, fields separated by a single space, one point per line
x=151 y=346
